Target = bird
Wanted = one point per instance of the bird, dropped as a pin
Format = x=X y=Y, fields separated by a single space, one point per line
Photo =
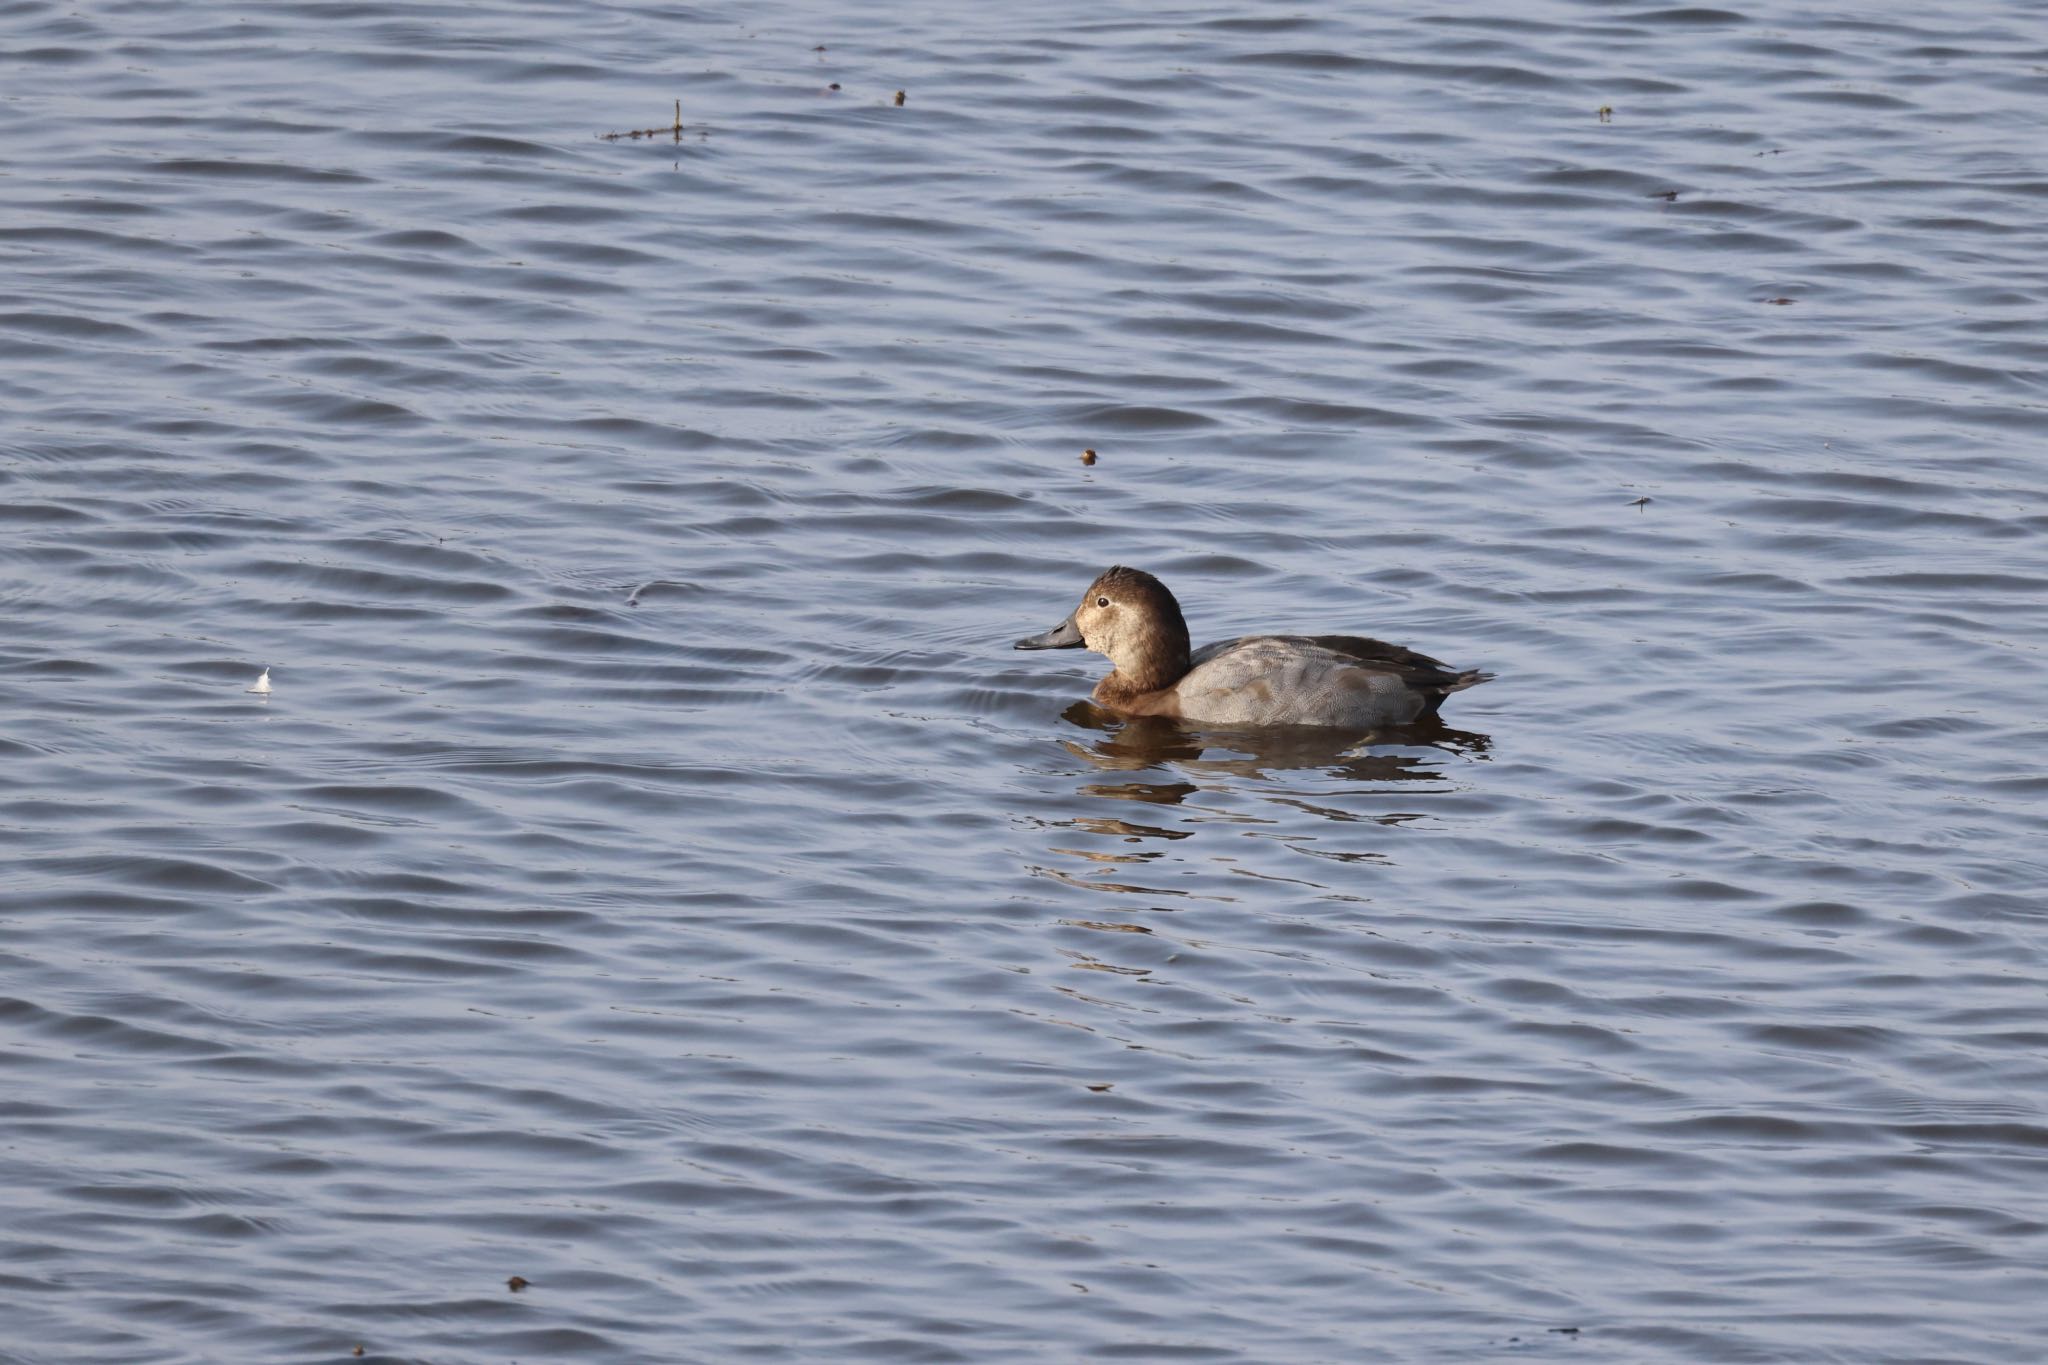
x=1255 y=680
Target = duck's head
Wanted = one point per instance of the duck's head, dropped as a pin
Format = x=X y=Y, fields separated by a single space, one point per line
x=1128 y=615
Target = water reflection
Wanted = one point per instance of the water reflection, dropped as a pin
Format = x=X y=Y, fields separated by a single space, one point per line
x=1199 y=759
x=1204 y=824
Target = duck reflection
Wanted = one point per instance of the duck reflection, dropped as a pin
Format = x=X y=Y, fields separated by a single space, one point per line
x=1148 y=744
x=1216 y=818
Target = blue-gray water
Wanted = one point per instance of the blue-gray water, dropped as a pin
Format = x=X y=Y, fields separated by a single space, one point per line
x=655 y=877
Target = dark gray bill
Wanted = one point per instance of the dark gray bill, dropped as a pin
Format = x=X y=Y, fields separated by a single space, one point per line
x=1065 y=635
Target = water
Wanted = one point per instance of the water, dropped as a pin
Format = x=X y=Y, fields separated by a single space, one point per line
x=654 y=876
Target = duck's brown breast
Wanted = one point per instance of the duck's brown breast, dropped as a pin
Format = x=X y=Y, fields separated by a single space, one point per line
x=1118 y=695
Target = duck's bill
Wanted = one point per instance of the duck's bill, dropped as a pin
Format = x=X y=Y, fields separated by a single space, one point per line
x=1065 y=635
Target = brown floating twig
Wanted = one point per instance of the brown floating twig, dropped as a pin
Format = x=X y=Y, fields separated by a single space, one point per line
x=676 y=128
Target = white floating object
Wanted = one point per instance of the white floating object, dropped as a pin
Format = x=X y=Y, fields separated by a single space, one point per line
x=262 y=684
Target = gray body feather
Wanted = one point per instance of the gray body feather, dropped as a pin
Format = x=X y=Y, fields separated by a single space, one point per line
x=1314 y=680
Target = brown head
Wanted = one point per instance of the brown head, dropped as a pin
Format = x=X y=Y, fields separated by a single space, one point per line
x=1128 y=615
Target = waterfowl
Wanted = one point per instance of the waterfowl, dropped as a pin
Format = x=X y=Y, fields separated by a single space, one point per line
x=1345 y=680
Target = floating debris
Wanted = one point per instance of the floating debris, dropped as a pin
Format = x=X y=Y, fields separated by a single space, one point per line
x=1779 y=302
x=517 y=1283
x=262 y=684
x=834 y=87
x=359 y=1349
x=1641 y=502
x=1099 y=1089
x=676 y=129
x=899 y=99
x=1668 y=196
x=1606 y=112
x=1088 y=457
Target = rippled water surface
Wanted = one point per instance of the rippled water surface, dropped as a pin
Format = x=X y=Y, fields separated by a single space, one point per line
x=653 y=875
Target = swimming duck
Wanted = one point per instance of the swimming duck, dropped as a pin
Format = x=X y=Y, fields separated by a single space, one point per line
x=1346 y=680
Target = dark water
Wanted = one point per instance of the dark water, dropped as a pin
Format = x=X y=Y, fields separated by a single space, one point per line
x=654 y=876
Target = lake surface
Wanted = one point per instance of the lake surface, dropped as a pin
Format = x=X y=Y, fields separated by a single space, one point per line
x=654 y=876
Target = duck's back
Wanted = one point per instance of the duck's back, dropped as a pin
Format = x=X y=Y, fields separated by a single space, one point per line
x=1314 y=680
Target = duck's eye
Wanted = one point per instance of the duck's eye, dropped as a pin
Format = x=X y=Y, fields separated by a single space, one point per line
x=1102 y=601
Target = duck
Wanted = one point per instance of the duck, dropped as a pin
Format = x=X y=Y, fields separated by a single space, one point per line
x=1252 y=681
